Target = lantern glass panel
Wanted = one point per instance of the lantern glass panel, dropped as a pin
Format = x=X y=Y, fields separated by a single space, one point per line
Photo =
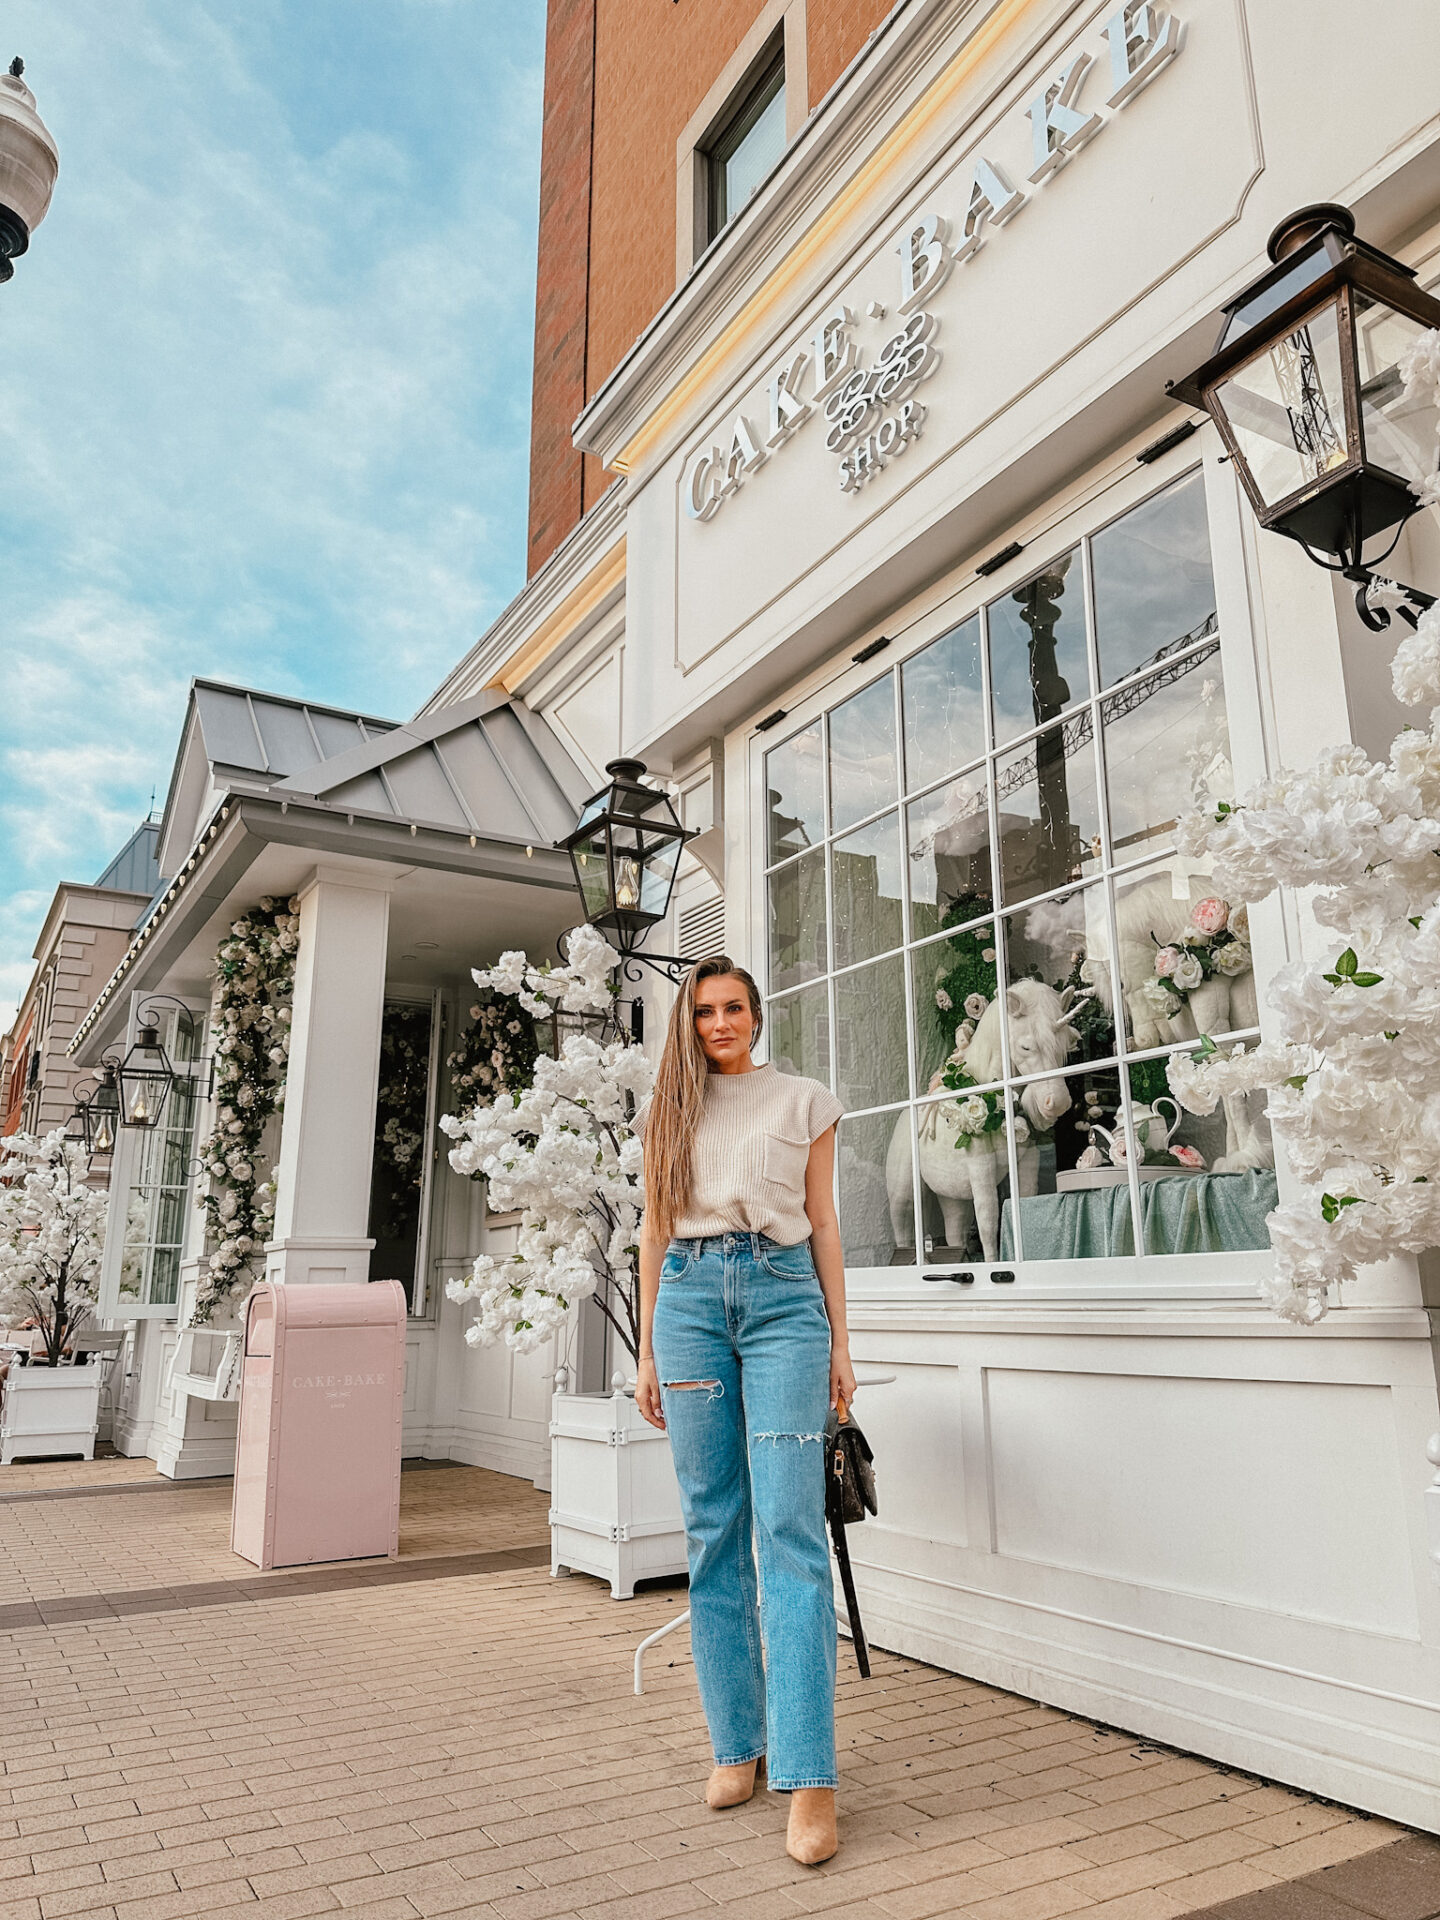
x=592 y=872
x=1286 y=409
x=101 y=1116
x=1400 y=433
x=1269 y=299
x=658 y=877
x=145 y=1077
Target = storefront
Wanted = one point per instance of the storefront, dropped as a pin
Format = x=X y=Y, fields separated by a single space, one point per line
x=940 y=616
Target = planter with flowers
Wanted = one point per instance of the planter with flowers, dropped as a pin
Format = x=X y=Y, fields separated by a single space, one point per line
x=560 y=1151
x=52 y=1226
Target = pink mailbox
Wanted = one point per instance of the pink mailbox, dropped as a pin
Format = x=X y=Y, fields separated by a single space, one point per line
x=317 y=1469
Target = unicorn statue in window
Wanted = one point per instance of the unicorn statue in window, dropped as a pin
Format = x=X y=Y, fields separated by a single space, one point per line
x=964 y=1157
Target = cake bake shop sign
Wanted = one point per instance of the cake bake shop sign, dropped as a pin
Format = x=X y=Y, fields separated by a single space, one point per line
x=871 y=414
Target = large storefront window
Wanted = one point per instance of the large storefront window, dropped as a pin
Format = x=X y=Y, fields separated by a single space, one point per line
x=159 y=1198
x=981 y=933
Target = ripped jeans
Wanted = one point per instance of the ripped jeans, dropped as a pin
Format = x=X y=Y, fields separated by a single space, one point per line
x=743 y=1319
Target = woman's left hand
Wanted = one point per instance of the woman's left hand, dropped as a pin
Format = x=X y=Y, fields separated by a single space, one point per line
x=842 y=1376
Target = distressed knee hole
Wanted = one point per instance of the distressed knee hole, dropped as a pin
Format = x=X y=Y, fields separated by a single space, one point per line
x=712 y=1389
x=801 y=1438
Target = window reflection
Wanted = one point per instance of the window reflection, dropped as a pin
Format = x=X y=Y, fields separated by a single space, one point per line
x=797 y=921
x=862 y=754
x=865 y=878
x=795 y=783
x=1038 y=666
x=1049 y=812
x=1152 y=579
x=798 y=1033
x=876 y=1199
x=949 y=849
x=944 y=701
x=871 y=1052
x=1167 y=752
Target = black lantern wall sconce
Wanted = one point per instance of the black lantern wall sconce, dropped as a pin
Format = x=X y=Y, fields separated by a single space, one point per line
x=134 y=1088
x=97 y=1114
x=625 y=852
x=1305 y=388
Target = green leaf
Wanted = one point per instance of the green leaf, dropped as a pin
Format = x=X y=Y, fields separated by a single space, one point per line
x=1366 y=979
x=1332 y=1206
x=1347 y=963
x=1221 y=811
x=1297 y=1080
x=1415 y=920
x=1206 y=1047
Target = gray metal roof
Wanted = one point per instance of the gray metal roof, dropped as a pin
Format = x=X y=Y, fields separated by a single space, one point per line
x=268 y=734
x=134 y=868
x=487 y=766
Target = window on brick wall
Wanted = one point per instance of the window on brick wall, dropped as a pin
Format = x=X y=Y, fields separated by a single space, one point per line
x=747 y=140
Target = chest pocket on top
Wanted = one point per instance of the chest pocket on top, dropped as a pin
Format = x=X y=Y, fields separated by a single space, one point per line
x=784 y=1161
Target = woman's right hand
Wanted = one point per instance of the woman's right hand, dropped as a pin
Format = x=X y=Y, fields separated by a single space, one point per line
x=647 y=1393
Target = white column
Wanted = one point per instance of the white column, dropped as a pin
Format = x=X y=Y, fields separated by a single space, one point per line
x=327 y=1132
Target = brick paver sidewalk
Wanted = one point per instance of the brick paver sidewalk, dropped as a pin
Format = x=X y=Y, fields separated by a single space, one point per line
x=455 y=1734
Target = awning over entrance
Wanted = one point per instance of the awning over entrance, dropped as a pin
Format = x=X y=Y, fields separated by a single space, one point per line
x=479 y=792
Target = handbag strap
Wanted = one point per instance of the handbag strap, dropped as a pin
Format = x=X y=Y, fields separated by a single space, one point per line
x=834 y=1508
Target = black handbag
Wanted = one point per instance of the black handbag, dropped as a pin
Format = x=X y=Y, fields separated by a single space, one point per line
x=849 y=1496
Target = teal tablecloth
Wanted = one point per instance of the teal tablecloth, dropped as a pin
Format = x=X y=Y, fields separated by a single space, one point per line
x=1185 y=1213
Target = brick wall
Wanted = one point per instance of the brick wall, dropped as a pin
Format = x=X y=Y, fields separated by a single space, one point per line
x=607 y=198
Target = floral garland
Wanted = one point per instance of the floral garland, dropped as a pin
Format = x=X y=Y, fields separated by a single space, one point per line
x=1217 y=941
x=497 y=1051
x=255 y=971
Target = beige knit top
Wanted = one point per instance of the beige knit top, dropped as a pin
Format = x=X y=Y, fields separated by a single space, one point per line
x=751 y=1150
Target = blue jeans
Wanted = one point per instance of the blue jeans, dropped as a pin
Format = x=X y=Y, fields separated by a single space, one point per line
x=745 y=1319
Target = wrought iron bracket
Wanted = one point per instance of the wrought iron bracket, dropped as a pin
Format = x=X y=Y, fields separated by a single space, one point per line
x=668 y=965
x=1376 y=598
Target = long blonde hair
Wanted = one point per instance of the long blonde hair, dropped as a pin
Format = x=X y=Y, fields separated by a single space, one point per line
x=679 y=1097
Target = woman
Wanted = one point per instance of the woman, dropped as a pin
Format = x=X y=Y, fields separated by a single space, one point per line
x=743 y=1348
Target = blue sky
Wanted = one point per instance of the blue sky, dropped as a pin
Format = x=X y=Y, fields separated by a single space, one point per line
x=264 y=383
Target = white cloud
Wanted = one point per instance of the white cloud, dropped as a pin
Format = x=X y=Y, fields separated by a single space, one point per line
x=267 y=382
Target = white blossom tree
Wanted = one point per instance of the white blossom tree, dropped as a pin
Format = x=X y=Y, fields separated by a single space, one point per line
x=560 y=1151
x=1353 y=1067
x=52 y=1228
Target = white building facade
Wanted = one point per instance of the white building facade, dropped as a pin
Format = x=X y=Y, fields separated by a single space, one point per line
x=939 y=616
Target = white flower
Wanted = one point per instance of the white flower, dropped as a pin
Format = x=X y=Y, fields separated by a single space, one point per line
x=972 y=1113
x=1233 y=958
x=975 y=1005
x=943 y=1000
x=1188 y=973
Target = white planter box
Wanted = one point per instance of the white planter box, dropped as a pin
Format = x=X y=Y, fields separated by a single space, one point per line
x=615 y=1503
x=50 y=1410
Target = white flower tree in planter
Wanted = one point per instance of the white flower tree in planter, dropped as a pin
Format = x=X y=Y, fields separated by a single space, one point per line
x=561 y=1152
x=52 y=1227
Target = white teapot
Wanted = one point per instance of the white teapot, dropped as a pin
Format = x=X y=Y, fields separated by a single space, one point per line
x=1152 y=1135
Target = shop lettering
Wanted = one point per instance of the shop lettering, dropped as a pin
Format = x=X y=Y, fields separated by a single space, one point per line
x=870 y=412
x=333 y=1382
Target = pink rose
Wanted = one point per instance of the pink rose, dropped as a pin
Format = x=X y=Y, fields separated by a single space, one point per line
x=1211 y=916
x=1166 y=961
x=1188 y=1156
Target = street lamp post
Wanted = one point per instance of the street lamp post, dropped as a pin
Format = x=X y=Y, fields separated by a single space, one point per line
x=1305 y=387
x=29 y=163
